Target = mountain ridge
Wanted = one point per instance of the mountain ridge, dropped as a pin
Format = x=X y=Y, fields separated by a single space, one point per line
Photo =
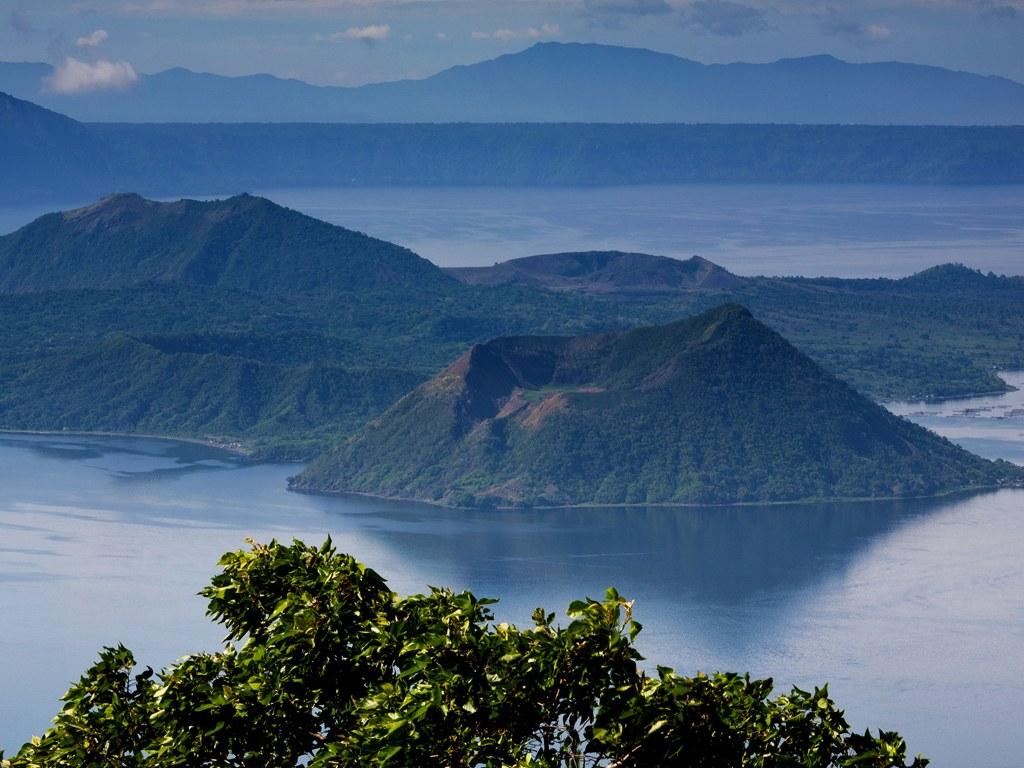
x=43 y=152
x=594 y=83
x=240 y=243
x=603 y=272
x=49 y=157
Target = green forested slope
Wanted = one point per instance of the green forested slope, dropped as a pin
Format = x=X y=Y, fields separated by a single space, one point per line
x=240 y=243
x=126 y=384
x=717 y=408
x=206 y=280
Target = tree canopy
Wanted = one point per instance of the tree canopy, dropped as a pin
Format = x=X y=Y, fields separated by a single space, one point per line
x=323 y=665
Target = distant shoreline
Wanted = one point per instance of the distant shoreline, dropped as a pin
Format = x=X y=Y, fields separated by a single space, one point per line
x=967 y=490
x=244 y=453
x=231 y=446
x=1007 y=388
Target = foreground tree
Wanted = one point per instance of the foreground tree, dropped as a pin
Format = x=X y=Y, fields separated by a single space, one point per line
x=323 y=665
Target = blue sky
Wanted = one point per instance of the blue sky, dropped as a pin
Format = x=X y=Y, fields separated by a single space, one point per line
x=349 y=42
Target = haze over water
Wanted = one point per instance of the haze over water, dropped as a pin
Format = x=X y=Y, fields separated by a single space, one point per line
x=846 y=230
x=910 y=610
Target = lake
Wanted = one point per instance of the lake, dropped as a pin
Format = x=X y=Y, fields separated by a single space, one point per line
x=845 y=230
x=992 y=426
x=911 y=610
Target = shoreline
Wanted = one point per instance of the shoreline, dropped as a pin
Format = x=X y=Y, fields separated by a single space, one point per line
x=949 y=398
x=966 y=490
x=1007 y=389
x=231 y=446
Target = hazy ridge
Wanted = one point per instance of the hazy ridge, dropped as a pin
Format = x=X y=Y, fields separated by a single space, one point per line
x=564 y=82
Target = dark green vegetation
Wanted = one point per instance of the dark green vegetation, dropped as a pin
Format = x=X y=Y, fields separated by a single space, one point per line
x=715 y=409
x=166 y=342
x=242 y=321
x=235 y=320
x=244 y=243
x=323 y=665
x=939 y=333
x=48 y=157
x=603 y=272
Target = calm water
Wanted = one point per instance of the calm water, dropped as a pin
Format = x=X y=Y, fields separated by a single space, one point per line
x=989 y=426
x=912 y=611
x=777 y=229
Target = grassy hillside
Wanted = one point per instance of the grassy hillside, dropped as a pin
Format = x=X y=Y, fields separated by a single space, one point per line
x=603 y=272
x=716 y=408
x=940 y=333
x=243 y=282
x=127 y=384
x=240 y=243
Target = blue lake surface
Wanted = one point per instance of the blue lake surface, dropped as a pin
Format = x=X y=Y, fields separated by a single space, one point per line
x=912 y=611
x=846 y=230
x=992 y=426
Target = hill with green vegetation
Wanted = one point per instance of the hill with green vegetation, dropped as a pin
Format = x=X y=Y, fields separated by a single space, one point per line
x=206 y=290
x=940 y=333
x=241 y=243
x=717 y=408
x=603 y=272
x=173 y=386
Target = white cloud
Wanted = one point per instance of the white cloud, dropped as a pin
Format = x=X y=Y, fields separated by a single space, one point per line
x=836 y=23
x=76 y=76
x=532 y=33
x=544 y=30
x=877 y=32
x=92 y=40
x=725 y=18
x=372 y=33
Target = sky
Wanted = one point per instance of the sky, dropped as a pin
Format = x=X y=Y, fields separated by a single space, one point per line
x=107 y=43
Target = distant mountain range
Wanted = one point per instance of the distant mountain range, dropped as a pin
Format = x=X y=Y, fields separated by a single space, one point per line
x=563 y=82
x=717 y=408
x=46 y=156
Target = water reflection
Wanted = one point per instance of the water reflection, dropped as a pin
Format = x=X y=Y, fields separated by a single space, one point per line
x=910 y=609
x=731 y=554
